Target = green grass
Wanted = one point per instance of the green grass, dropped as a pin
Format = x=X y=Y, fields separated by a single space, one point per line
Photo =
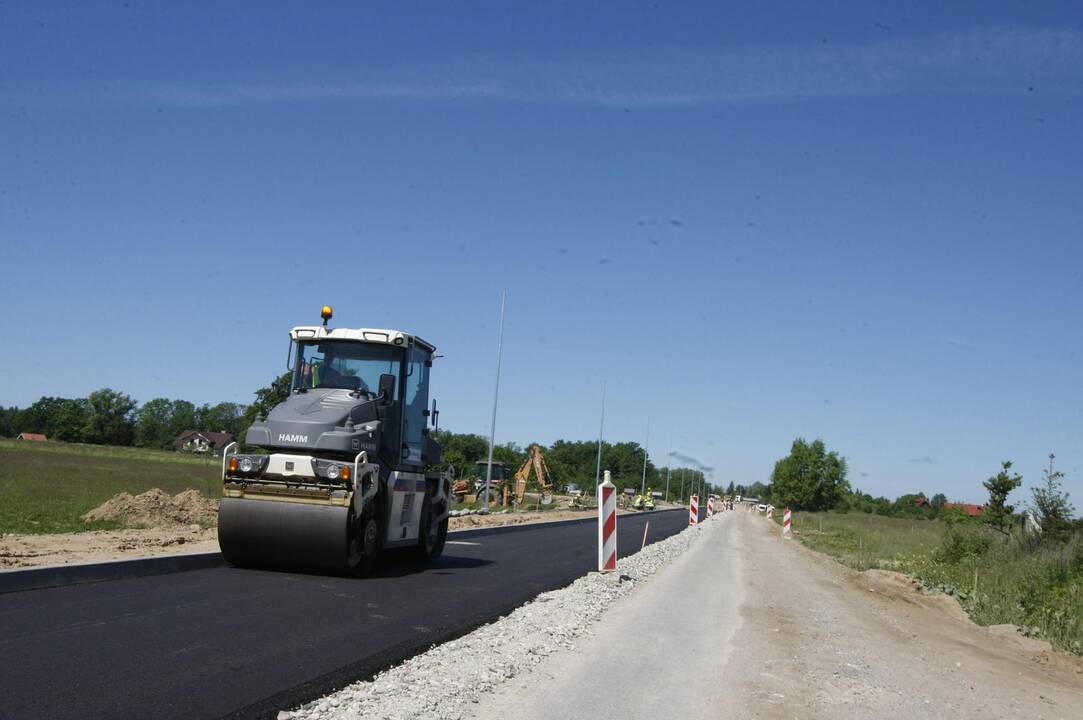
x=863 y=541
x=46 y=487
x=1037 y=586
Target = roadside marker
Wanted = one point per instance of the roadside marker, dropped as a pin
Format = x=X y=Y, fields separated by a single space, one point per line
x=786 y=521
x=607 y=525
x=693 y=510
x=710 y=506
x=770 y=511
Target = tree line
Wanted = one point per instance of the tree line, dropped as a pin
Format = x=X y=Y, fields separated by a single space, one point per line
x=573 y=462
x=811 y=478
x=109 y=417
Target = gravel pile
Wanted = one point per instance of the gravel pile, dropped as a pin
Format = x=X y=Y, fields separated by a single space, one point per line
x=442 y=683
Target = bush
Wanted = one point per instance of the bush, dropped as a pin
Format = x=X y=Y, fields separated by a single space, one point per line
x=960 y=543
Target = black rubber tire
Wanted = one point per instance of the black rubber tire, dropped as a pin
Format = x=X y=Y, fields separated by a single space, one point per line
x=365 y=542
x=433 y=536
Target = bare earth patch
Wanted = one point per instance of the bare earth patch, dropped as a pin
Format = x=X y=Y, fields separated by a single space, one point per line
x=18 y=551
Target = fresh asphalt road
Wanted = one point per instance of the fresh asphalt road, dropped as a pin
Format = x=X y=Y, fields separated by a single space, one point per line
x=247 y=643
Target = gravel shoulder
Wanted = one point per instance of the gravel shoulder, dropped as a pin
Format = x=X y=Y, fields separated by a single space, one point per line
x=818 y=640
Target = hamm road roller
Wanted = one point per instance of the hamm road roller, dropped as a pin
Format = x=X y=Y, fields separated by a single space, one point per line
x=342 y=473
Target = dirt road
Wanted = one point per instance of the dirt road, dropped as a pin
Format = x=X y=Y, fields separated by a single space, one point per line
x=812 y=639
x=820 y=640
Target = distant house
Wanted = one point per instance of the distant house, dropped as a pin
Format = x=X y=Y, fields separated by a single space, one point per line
x=921 y=502
x=969 y=508
x=36 y=437
x=202 y=442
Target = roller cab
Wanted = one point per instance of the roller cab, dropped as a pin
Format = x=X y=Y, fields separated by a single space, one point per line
x=340 y=474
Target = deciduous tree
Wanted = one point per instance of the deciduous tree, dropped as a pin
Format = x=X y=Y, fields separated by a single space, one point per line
x=810 y=478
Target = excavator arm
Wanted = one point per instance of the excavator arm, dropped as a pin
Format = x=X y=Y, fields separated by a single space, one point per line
x=535 y=459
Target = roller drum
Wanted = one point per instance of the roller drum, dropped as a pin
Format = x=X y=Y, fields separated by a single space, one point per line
x=284 y=535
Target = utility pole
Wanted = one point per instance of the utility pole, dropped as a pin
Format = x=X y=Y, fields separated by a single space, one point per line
x=682 y=486
x=496 y=395
x=601 y=431
x=668 y=463
x=646 y=450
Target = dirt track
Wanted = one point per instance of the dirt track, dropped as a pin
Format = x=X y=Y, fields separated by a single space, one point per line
x=819 y=640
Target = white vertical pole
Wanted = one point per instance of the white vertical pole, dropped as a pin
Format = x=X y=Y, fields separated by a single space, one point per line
x=496 y=395
x=646 y=450
x=601 y=431
x=669 y=461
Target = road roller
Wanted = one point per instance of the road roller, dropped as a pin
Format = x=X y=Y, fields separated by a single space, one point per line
x=336 y=473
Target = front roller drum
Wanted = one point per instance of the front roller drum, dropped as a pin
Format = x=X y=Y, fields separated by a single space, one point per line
x=286 y=535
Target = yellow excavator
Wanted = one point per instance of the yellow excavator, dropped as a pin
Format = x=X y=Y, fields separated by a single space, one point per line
x=536 y=460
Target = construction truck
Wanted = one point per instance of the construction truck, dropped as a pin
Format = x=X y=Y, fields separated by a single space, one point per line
x=342 y=473
x=474 y=483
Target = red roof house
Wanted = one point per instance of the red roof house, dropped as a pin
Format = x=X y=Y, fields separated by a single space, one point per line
x=969 y=508
x=36 y=437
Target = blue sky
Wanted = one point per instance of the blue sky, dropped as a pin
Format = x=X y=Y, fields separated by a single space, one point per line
x=856 y=223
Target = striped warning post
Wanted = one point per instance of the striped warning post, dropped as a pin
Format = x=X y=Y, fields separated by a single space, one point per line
x=770 y=511
x=710 y=506
x=607 y=525
x=787 y=520
x=693 y=510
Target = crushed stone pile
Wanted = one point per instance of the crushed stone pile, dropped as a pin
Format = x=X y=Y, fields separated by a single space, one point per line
x=443 y=683
x=155 y=508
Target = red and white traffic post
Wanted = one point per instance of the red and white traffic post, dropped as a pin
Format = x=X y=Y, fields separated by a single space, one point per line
x=710 y=506
x=693 y=510
x=787 y=520
x=607 y=525
x=770 y=511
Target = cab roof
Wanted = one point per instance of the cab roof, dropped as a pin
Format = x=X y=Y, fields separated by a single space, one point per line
x=367 y=335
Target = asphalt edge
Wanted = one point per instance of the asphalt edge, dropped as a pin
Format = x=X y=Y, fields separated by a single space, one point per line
x=50 y=576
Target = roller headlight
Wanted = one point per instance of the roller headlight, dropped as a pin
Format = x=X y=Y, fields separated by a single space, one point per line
x=246 y=465
x=332 y=472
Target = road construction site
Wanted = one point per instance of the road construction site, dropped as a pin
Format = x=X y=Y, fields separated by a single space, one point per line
x=728 y=619
x=358 y=579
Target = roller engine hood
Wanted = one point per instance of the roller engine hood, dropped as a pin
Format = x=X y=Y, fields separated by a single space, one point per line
x=317 y=420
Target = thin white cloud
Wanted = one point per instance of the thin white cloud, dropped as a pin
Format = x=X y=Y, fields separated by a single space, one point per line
x=1004 y=60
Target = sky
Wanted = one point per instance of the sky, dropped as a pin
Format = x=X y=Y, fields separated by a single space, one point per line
x=750 y=223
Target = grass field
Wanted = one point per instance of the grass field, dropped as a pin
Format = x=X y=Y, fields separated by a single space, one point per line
x=865 y=541
x=46 y=487
x=1038 y=586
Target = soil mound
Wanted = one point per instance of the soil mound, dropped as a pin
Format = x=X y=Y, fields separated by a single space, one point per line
x=155 y=508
